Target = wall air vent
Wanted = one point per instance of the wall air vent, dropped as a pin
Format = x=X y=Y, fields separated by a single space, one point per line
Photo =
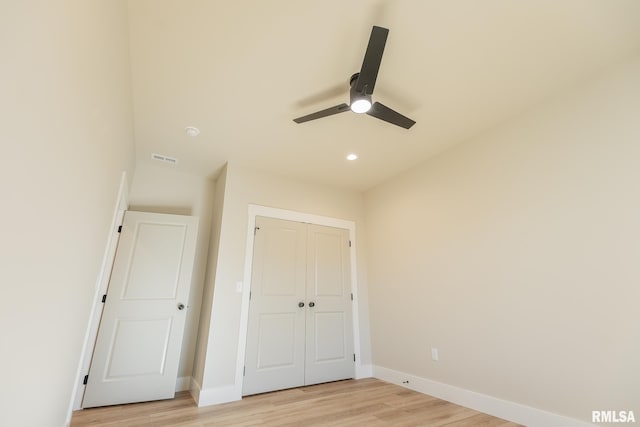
x=163 y=158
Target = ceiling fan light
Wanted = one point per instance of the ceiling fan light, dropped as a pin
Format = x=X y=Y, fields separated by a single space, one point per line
x=361 y=105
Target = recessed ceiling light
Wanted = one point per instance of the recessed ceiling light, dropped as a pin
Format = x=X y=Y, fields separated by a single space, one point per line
x=352 y=156
x=192 y=131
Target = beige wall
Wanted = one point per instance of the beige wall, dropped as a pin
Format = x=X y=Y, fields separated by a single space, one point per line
x=163 y=189
x=66 y=137
x=244 y=187
x=516 y=254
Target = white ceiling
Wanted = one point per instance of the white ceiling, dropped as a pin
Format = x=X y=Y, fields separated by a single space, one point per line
x=241 y=70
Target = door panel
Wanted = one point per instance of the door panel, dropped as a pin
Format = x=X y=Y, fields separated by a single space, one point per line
x=327 y=262
x=149 y=334
x=275 y=336
x=140 y=336
x=155 y=262
x=329 y=350
x=280 y=268
x=277 y=341
x=329 y=337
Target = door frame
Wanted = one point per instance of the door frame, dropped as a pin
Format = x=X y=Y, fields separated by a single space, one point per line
x=264 y=211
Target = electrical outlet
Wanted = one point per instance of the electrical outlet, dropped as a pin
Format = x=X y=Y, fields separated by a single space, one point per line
x=434 y=354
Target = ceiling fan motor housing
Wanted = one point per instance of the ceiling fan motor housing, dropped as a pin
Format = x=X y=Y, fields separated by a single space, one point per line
x=354 y=95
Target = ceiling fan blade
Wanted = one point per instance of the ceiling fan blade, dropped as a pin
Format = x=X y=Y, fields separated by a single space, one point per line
x=382 y=112
x=324 y=113
x=372 y=59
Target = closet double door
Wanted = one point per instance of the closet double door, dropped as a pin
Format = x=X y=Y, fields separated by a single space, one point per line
x=300 y=329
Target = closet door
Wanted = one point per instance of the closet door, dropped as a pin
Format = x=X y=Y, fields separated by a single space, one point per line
x=329 y=326
x=300 y=323
x=276 y=331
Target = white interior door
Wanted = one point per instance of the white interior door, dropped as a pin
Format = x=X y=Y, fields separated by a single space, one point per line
x=276 y=330
x=300 y=322
x=138 y=347
x=329 y=325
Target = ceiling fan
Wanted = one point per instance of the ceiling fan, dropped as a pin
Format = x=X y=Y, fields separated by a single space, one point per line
x=362 y=85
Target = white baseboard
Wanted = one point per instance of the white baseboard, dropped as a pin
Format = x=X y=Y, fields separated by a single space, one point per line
x=505 y=409
x=214 y=396
x=183 y=384
x=364 y=371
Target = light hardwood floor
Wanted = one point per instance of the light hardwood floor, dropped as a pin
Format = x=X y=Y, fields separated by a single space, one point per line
x=366 y=402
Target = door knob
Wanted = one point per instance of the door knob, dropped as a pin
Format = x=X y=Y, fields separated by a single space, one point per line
x=300 y=304
x=312 y=304
x=180 y=306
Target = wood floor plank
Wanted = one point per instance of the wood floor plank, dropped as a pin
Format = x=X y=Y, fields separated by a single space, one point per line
x=368 y=402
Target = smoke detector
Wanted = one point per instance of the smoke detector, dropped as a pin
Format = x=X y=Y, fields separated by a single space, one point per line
x=192 y=131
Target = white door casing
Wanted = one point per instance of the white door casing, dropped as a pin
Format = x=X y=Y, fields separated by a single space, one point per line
x=300 y=313
x=138 y=347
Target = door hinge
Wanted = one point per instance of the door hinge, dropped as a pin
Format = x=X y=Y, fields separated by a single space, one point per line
x=86 y=379
x=349 y=243
x=249 y=295
x=104 y=298
x=351 y=296
x=255 y=230
x=244 y=371
x=354 y=357
x=119 y=229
